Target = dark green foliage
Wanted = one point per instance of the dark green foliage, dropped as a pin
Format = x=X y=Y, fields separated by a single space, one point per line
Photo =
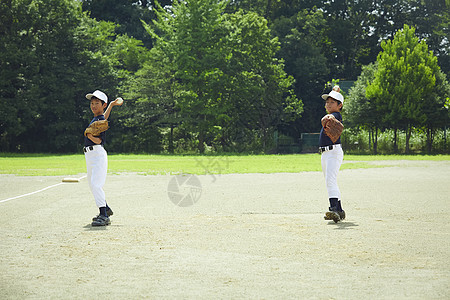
x=215 y=75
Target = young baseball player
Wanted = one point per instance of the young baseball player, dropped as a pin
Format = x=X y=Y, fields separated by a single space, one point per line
x=96 y=156
x=332 y=154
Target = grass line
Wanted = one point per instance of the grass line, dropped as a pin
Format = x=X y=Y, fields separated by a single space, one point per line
x=49 y=165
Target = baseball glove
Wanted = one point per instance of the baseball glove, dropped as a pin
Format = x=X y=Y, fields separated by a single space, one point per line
x=97 y=127
x=332 y=127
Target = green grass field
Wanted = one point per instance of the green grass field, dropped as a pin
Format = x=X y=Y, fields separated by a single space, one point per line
x=48 y=165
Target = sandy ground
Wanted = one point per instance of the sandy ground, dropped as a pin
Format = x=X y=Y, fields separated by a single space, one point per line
x=251 y=236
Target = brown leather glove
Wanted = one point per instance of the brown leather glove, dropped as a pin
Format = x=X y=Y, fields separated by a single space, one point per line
x=332 y=127
x=97 y=127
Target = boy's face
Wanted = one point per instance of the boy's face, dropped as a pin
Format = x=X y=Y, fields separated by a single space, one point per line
x=97 y=106
x=331 y=105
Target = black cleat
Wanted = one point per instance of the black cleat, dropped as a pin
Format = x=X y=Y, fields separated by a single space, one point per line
x=109 y=213
x=101 y=221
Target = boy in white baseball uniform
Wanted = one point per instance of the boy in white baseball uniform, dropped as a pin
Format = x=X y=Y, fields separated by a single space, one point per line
x=332 y=156
x=97 y=158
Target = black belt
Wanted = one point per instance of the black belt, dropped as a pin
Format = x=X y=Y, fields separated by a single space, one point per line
x=326 y=148
x=90 y=148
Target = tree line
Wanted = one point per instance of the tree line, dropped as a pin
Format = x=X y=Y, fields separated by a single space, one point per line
x=216 y=75
x=404 y=89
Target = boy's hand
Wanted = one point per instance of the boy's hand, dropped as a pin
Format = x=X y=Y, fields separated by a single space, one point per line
x=117 y=102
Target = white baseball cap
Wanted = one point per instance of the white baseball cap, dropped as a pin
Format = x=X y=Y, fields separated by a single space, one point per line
x=335 y=95
x=99 y=95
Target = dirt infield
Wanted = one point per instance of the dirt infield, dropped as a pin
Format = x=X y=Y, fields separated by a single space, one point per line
x=253 y=236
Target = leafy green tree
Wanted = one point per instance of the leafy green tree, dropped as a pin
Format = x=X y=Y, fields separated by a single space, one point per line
x=404 y=81
x=436 y=111
x=351 y=42
x=431 y=18
x=127 y=14
x=350 y=37
x=264 y=8
x=37 y=66
x=12 y=67
x=359 y=110
x=152 y=95
x=225 y=66
x=257 y=6
x=257 y=85
x=190 y=38
x=302 y=37
x=52 y=55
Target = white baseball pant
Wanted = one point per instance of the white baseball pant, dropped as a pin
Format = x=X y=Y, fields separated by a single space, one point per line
x=97 y=167
x=331 y=163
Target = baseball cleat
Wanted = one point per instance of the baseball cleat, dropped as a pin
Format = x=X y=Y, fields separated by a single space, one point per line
x=341 y=215
x=332 y=215
x=101 y=221
x=109 y=212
